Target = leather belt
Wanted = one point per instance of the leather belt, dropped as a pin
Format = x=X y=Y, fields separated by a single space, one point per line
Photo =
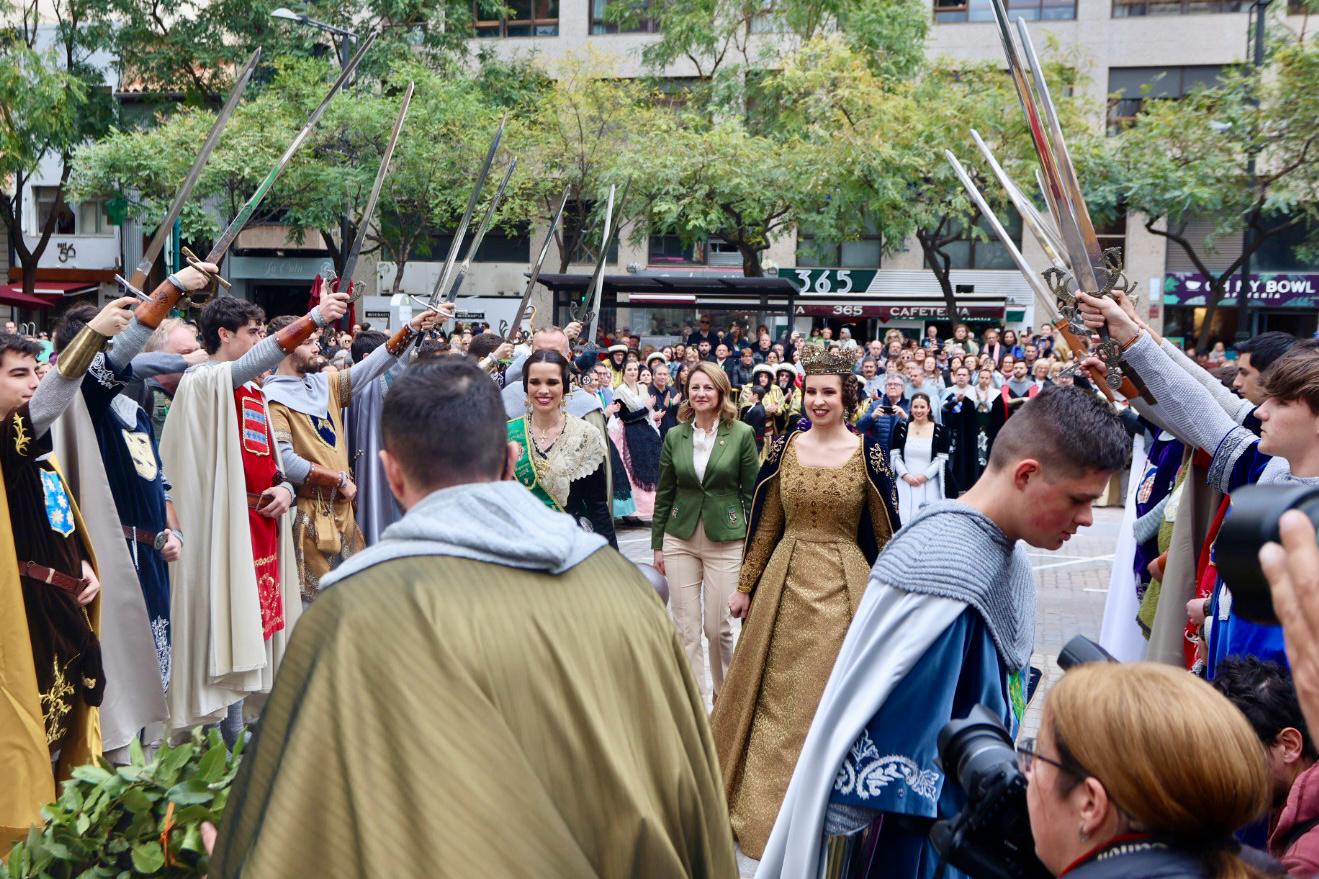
x=253 y=500
x=72 y=585
x=144 y=537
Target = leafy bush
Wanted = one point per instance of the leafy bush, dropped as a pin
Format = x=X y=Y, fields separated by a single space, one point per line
x=143 y=819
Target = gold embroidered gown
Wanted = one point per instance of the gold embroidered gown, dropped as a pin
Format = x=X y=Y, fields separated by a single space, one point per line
x=812 y=581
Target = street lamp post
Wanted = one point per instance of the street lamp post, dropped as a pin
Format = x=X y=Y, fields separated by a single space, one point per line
x=346 y=42
x=1245 y=327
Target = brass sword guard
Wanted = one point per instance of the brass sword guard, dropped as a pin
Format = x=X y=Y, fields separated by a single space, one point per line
x=197 y=300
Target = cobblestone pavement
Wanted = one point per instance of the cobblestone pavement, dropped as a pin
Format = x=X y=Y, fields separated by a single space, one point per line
x=1072 y=586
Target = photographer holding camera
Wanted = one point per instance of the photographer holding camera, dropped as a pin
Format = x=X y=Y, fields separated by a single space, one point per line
x=1142 y=770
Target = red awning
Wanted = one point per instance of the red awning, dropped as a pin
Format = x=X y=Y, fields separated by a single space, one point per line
x=12 y=294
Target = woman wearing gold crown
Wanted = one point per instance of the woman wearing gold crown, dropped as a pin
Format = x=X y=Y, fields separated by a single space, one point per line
x=824 y=506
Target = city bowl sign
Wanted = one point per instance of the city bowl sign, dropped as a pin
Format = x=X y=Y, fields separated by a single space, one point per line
x=1269 y=289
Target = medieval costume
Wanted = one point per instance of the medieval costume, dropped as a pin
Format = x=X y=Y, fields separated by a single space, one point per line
x=929 y=641
x=785 y=379
x=1009 y=400
x=569 y=476
x=638 y=441
x=962 y=425
x=814 y=533
x=236 y=592
x=52 y=679
x=617 y=363
x=922 y=456
x=559 y=731
x=1153 y=496
x=306 y=413
x=107 y=446
x=376 y=507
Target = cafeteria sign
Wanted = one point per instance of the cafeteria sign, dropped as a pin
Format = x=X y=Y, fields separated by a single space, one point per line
x=1277 y=289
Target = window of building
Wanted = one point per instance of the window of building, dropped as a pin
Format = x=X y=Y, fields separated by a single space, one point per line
x=1134 y=8
x=522 y=18
x=968 y=251
x=953 y=11
x=1130 y=87
x=85 y=218
x=634 y=18
x=497 y=246
x=864 y=253
x=669 y=250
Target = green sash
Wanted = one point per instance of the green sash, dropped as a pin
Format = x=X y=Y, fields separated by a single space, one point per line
x=525 y=468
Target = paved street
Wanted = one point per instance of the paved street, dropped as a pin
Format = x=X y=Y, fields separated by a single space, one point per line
x=1072 y=582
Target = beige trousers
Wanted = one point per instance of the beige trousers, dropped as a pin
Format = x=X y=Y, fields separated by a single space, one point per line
x=688 y=564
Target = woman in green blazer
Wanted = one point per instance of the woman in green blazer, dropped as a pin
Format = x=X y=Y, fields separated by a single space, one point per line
x=708 y=468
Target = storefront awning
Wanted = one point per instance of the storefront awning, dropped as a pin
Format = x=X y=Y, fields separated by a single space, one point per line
x=676 y=289
x=12 y=294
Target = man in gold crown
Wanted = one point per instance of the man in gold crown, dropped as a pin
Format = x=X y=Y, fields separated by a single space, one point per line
x=823 y=508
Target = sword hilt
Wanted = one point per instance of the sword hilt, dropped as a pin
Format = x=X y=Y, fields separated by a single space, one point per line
x=216 y=280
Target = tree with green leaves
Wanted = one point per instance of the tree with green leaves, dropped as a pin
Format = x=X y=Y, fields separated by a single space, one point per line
x=51 y=100
x=1187 y=159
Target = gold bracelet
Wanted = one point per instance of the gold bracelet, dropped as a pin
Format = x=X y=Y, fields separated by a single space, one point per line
x=77 y=355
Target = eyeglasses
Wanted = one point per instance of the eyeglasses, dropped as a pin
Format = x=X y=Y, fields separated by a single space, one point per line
x=1027 y=754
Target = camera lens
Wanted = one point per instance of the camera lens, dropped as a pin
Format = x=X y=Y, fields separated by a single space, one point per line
x=1252 y=522
x=976 y=749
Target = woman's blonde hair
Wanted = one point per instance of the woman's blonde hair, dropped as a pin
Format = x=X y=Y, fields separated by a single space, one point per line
x=727 y=408
x=1175 y=756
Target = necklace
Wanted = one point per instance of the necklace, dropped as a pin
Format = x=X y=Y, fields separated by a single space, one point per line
x=541 y=436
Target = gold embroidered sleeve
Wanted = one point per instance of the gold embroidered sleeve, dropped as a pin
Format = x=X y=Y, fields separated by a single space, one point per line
x=761 y=543
x=343 y=386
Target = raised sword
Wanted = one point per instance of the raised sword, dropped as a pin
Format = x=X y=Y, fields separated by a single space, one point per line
x=1043 y=295
x=1092 y=270
x=166 y=227
x=588 y=312
x=486 y=222
x=226 y=239
x=442 y=282
x=350 y=261
x=505 y=330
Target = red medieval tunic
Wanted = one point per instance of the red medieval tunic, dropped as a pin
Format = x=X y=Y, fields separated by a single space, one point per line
x=260 y=473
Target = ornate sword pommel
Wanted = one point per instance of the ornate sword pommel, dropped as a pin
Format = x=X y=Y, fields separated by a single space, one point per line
x=296 y=333
x=1112 y=275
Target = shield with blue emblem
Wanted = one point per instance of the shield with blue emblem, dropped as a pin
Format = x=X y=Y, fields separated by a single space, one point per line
x=59 y=511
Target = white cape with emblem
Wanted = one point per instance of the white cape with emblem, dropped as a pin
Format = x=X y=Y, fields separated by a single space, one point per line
x=220 y=655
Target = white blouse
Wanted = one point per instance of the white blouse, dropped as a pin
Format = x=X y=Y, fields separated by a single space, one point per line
x=702 y=446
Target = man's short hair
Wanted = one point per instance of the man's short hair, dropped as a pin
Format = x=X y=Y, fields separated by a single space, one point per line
x=71 y=323
x=444 y=421
x=226 y=312
x=278 y=323
x=366 y=342
x=1266 y=348
x=1264 y=692
x=1294 y=376
x=484 y=344
x=1062 y=427
x=20 y=345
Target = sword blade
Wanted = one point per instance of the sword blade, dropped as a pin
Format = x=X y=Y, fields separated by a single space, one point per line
x=442 y=282
x=350 y=262
x=1088 y=260
x=226 y=239
x=1043 y=297
x=1031 y=217
x=486 y=222
x=598 y=278
x=536 y=266
x=166 y=227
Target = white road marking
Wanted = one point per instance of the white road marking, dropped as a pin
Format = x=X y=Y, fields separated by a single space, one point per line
x=1075 y=561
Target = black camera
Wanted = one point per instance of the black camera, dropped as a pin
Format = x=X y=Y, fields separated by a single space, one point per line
x=1252 y=522
x=990 y=838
